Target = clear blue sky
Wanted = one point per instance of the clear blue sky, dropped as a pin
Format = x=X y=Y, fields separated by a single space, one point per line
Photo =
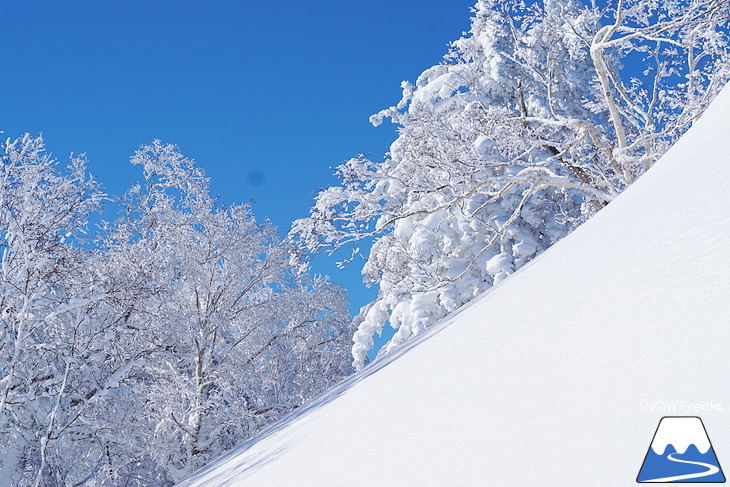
x=268 y=97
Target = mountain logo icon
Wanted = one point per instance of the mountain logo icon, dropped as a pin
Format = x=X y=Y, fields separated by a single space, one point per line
x=680 y=452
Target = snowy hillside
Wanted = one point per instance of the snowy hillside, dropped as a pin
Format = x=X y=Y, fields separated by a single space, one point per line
x=560 y=374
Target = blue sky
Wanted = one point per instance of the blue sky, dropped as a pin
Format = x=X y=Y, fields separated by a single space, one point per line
x=268 y=97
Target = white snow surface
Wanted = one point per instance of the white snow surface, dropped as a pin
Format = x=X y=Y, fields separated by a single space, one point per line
x=544 y=380
x=681 y=432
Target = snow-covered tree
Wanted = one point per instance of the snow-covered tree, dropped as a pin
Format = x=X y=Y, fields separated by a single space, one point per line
x=135 y=357
x=238 y=337
x=45 y=302
x=535 y=120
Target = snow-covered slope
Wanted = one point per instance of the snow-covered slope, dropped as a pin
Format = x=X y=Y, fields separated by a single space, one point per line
x=556 y=377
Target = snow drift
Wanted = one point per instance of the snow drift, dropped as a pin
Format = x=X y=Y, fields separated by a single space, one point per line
x=558 y=376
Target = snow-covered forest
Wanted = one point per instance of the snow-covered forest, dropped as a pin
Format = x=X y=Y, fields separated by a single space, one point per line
x=135 y=354
x=143 y=335
x=535 y=120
